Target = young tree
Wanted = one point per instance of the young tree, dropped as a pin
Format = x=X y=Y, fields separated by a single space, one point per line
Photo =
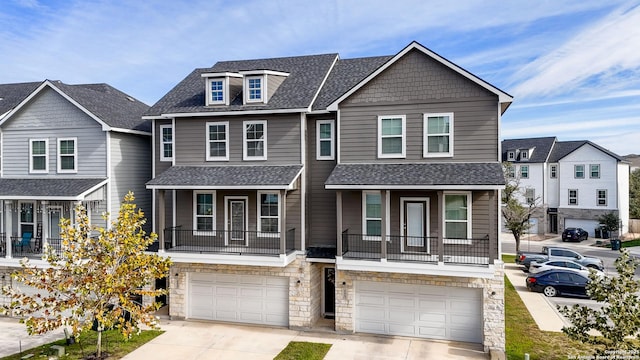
x=516 y=215
x=92 y=278
x=611 y=221
x=618 y=320
x=634 y=194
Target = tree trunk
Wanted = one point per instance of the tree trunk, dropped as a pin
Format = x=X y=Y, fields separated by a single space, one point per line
x=516 y=236
x=99 y=345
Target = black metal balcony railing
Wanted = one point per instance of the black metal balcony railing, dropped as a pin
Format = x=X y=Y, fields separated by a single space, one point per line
x=419 y=249
x=227 y=242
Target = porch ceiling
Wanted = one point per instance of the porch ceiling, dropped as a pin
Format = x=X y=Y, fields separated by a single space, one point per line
x=417 y=176
x=48 y=189
x=227 y=177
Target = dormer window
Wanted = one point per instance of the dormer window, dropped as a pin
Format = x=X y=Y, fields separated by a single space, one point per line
x=219 y=87
x=254 y=88
x=524 y=155
x=216 y=91
x=511 y=156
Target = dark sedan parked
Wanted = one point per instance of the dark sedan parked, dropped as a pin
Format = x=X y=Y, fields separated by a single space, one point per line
x=574 y=234
x=558 y=282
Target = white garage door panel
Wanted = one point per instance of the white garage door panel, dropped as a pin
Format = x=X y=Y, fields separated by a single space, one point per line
x=419 y=310
x=587 y=225
x=239 y=298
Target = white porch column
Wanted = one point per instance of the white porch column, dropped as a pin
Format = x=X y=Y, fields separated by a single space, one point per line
x=161 y=217
x=8 y=228
x=45 y=224
x=283 y=222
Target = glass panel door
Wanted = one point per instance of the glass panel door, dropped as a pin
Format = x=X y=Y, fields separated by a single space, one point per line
x=237 y=221
x=414 y=223
x=55 y=214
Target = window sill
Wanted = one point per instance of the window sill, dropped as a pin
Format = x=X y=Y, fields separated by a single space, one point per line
x=217 y=159
x=438 y=155
x=457 y=241
x=204 y=233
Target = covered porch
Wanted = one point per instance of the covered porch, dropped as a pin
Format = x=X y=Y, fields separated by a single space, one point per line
x=228 y=213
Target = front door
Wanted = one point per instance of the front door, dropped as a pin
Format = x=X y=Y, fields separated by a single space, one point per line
x=237 y=220
x=414 y=224
x=329 y=292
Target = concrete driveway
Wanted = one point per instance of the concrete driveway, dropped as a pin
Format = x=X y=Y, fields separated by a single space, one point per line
x=186 y=340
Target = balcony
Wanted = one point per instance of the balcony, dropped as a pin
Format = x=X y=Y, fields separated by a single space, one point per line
x=223 y=242
x=32 y=249
x=415 y=254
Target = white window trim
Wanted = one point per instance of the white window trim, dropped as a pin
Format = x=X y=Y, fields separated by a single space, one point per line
x=425 y=135
x=259 y=216
x=195 y=213
x=75 y=156
x=225 y=90
x=591 y=171
x=553 y=169
x=598 y=197
x=162 y=142
x=244 y=140
x=364 y=216
x=427 y=215
x=263 y=86
x=46 y=155
x=575 y=171
x=469 y=221
x=403 y=136
x=226 y=141
x=522 y=174
x=332 y=140
x=511 y=155
x=569 y=197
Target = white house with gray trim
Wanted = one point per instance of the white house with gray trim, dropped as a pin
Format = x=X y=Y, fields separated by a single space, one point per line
x=576 y=182
x=364 y=191
x=62 y=145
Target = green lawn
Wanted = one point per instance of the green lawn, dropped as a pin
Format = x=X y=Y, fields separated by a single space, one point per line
x=524 y=336
x=303 y=351
x=112 y=343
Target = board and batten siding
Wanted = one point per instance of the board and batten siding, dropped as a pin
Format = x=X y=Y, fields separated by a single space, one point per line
x=321 y=211
x=54 y=117
x=283 y=140
x=130 y=170
x=417 y=84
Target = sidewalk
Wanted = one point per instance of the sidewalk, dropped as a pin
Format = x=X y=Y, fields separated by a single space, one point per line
x=542 y=311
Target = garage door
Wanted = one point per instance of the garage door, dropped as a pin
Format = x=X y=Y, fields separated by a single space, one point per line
x=239 y=298
x=434 y=312
x=587 y=225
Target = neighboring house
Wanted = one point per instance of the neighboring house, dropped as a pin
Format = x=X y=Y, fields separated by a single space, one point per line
x=63 y=145
x=574 y=182
x=362 y=190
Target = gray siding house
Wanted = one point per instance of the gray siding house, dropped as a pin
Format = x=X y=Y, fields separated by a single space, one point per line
x=364 y=191
x=62 y=145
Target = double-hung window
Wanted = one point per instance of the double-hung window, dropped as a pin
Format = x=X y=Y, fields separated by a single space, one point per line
x=524 y=171
x=457 y=217
x=38 y=156
x=438 y=135
x=255 y=140
x=578 y=171
x=530 y=195
x=325 y=138
x=601 y=197
x=67 y=155
x=218 y=141
x=372 y=215
x=391 y=136
x=268 y=213
x=573 y=197
x=204 y=205
x=594 y=171
x=166 y=142
x=216 y=91
x=254 y=88
x=511 y=171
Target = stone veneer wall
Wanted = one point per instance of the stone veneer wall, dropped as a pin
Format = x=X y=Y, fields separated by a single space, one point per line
x=316 y=291
x=492 y=307
x=300 y=310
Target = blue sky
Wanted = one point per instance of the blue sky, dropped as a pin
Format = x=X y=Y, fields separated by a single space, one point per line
x=573 y=67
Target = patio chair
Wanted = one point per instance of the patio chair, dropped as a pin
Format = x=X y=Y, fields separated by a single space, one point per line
x=25 y=241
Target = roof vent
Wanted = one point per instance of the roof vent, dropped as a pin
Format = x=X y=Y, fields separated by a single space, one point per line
x=131 y=99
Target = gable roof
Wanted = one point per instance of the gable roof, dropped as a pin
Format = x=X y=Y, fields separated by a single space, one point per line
x=298 y=90
x=564 y=148
x=107 y=105
x=541 y=148
x=504 y=98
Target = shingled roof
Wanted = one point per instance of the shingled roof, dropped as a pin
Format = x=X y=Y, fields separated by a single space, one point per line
x=211 y=177
x=110 y=105
x=564 y=148
x=61 y=189
x=541 y=148
x=297 y=91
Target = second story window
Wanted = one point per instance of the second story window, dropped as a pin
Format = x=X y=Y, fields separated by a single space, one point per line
x=524 y=171
x=511 y=171
x=438 y=135
x=553 y=171
x=530 y=195
x=204 y=211
x=254 y=89
x=325 y=137
x=391 y=136
x=166 y=142
x=217 y=141
x=457 y=216
x=67 y=155
x=573 y=197
x=594 y=171
x=601 y=197
x=38 y=156
x=578 y=171
x=268 y=213
x=255 y=140
x=372 y=215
